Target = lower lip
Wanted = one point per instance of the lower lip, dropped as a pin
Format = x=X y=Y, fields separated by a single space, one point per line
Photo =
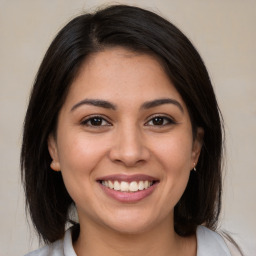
x=128 y=197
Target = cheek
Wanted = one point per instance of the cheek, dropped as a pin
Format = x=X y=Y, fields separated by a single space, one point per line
x=175 y=153
x=79 y=151
x=79 y=157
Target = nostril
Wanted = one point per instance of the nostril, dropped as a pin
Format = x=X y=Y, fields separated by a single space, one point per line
x=129 y=157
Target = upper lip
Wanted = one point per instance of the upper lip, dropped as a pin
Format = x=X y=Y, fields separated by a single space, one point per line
x=128 y=178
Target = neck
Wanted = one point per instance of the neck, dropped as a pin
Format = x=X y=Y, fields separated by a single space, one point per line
x=162 y=241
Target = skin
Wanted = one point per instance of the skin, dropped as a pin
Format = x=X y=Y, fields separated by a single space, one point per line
x=126 y=140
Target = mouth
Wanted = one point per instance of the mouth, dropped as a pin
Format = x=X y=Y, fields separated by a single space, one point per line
x=124 y=186
x=128 y=188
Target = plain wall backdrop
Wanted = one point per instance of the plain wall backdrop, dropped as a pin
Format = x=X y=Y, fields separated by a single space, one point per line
x=224 y=33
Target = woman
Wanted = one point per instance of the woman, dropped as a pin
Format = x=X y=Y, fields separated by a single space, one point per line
x=123 y=125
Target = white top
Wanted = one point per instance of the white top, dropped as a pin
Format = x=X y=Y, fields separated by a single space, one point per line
x=209 y=243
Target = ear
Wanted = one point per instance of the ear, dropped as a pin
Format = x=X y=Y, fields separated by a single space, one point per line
x=52 y=147
x=197 y=146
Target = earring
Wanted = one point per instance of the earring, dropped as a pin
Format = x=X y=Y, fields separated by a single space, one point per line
x=194 y=167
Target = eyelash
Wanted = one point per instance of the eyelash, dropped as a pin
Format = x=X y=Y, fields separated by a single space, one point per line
x=90 y=119
x=164 y=121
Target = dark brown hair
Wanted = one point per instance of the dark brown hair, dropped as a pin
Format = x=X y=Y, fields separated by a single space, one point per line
x=141 y=31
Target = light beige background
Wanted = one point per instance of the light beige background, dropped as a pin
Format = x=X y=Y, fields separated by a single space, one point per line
x=224 y=33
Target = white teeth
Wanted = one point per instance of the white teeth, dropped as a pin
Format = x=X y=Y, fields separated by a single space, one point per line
x=116 y=185
x=124 y=186
x=110 y=184
x=133 y=186
x=141 y=185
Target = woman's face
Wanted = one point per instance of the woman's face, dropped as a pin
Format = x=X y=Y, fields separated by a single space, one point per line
x=124 y=142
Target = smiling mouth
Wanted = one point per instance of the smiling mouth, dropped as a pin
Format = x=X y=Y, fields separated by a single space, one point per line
x=124 y=186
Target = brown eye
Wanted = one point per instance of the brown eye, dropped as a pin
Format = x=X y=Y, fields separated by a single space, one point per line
x=160 y=121
x=95 y=121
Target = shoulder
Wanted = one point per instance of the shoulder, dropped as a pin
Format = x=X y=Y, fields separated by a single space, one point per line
x=54 y=249
x=210 y=243
x=62 y=247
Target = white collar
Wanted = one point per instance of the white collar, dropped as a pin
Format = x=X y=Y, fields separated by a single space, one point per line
x=209 y=243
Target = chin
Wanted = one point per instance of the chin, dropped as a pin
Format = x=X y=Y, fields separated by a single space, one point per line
x=130 y=228
x=133 y=222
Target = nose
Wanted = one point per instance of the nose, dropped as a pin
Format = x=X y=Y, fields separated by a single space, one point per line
x=129 y=147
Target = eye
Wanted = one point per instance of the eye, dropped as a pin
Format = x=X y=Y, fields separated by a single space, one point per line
x=95 y=121
x=160 y=121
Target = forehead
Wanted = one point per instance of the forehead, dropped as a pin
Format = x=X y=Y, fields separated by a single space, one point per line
x=118 y=73
x=116 y=59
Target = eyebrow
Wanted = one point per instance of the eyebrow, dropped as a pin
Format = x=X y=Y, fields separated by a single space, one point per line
x=146 y=105
x=158 y=102
x=95 y=102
